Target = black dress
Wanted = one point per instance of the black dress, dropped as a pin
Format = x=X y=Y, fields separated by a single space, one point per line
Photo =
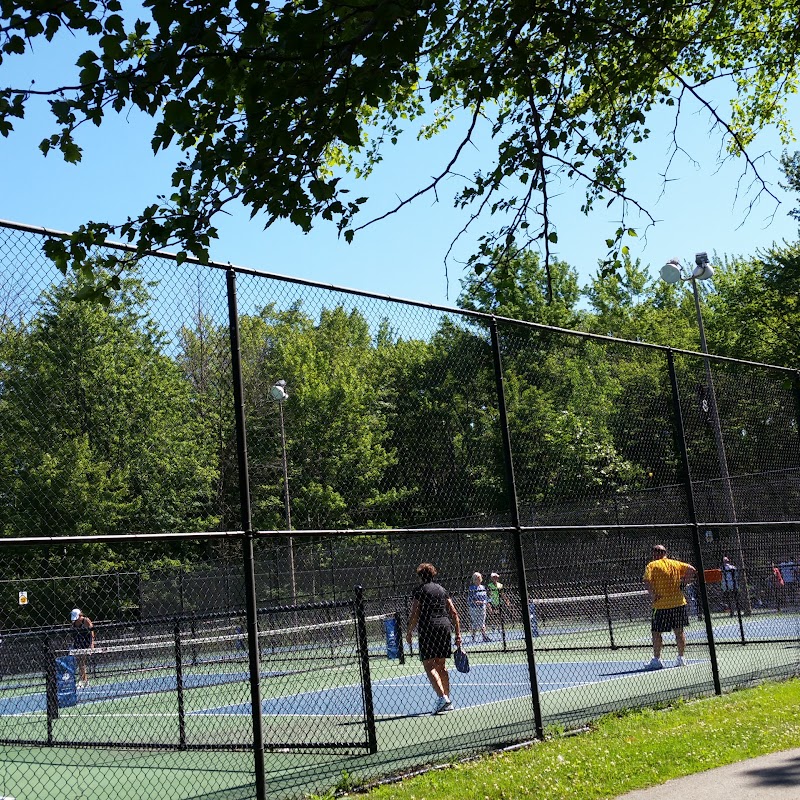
x=434 y=621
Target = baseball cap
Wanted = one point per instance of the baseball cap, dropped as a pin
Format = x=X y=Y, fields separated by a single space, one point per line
x=495 y=575
x=74 y=614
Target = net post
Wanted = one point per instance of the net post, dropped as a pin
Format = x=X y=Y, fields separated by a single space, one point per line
x=401 y=653
x=51 y=685
x=738 y=609
x=609 y=617
x=193 y=633
x=179 y=685
x=501 y=614
x=408 y=614
x=366 y=680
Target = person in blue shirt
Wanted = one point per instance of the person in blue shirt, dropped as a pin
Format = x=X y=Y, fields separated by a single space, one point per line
x=477 y=600
x=730 y=585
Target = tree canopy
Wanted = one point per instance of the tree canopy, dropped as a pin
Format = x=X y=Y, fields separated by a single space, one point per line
x=270 y=104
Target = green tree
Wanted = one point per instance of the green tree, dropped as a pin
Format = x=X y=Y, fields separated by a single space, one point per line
x=632 y=305
x=520 y=287
x=790 y=163
x=335 y=426
x=445 y=427
x=269 y=104
x=204 y=359
x=754 y=312
x=99 y=424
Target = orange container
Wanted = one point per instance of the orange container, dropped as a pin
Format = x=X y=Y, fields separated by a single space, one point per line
x=712 y=575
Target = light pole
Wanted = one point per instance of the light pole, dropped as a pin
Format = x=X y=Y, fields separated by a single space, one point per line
x=672 y=272
x=280 y=395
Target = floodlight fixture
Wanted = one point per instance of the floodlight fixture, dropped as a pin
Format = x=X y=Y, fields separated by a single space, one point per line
x=278 y=391
x=671 y=271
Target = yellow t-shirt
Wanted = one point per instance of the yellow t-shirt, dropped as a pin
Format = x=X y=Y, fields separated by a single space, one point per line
x=664 y=576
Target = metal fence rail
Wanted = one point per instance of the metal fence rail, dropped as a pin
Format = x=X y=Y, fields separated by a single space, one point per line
x=213 y=529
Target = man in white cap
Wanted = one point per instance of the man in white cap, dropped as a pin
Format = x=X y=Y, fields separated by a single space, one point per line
x=82 y=639
x=497 y=596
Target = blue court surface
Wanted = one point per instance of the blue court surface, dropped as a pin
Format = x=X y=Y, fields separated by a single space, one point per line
x=410 y=695
x=404 y=695
x=771 y=629
x=35 y=702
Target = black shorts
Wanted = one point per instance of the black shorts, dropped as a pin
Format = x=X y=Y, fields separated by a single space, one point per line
x=669 y=619
x=434 y=643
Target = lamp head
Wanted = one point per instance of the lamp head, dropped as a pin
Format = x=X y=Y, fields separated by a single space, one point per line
x=703 y=271
x=671 y=271
x=278 y=391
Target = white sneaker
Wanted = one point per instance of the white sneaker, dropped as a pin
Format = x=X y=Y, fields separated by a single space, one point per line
x=442 y=704
x=655 y=663
x=679 y=662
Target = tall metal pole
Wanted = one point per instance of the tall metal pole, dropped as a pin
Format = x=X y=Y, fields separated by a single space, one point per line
x=680 y=440
x=519 y=555
x=288 y=509
x=722 y=458
x=253 y=654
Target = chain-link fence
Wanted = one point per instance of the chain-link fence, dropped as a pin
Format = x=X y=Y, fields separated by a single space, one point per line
x=229 y=479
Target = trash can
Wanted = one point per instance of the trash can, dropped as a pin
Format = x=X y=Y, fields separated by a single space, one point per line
x=392 y=645
x=66 y=690
x=534 y=621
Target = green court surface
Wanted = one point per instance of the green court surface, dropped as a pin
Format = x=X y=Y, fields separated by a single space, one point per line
x=493 y=706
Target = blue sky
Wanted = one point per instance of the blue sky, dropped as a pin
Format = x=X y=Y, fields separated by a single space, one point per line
x=704 y=206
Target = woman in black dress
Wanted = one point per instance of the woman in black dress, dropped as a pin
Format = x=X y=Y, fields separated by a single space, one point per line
x=434 y=612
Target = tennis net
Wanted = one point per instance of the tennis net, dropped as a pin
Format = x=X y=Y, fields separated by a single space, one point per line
x=220 y=655
x=601 y=619
x=143 y=686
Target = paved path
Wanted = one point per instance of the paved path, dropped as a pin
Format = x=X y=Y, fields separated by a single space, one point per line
x=772 y=777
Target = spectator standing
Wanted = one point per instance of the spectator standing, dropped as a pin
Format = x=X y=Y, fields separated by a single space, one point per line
x=778 y=587
x=789 y=575
x=730 y=586
x=477 y=601
x=496 y=594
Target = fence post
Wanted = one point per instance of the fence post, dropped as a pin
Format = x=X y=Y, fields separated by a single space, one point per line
x=401 y=652
x=680 y=438
x=248 y=564
x=51 y=689
x=176 y=632
x=366 y=678
x=609 y=617
x=511 y=489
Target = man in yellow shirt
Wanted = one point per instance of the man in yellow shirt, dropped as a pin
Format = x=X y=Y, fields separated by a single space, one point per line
x=663 y=578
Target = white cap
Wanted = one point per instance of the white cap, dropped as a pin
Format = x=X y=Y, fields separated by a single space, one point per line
x=74 y=614
x=495 y=575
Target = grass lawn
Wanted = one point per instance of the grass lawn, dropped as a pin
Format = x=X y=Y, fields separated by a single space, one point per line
x=621 y=752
